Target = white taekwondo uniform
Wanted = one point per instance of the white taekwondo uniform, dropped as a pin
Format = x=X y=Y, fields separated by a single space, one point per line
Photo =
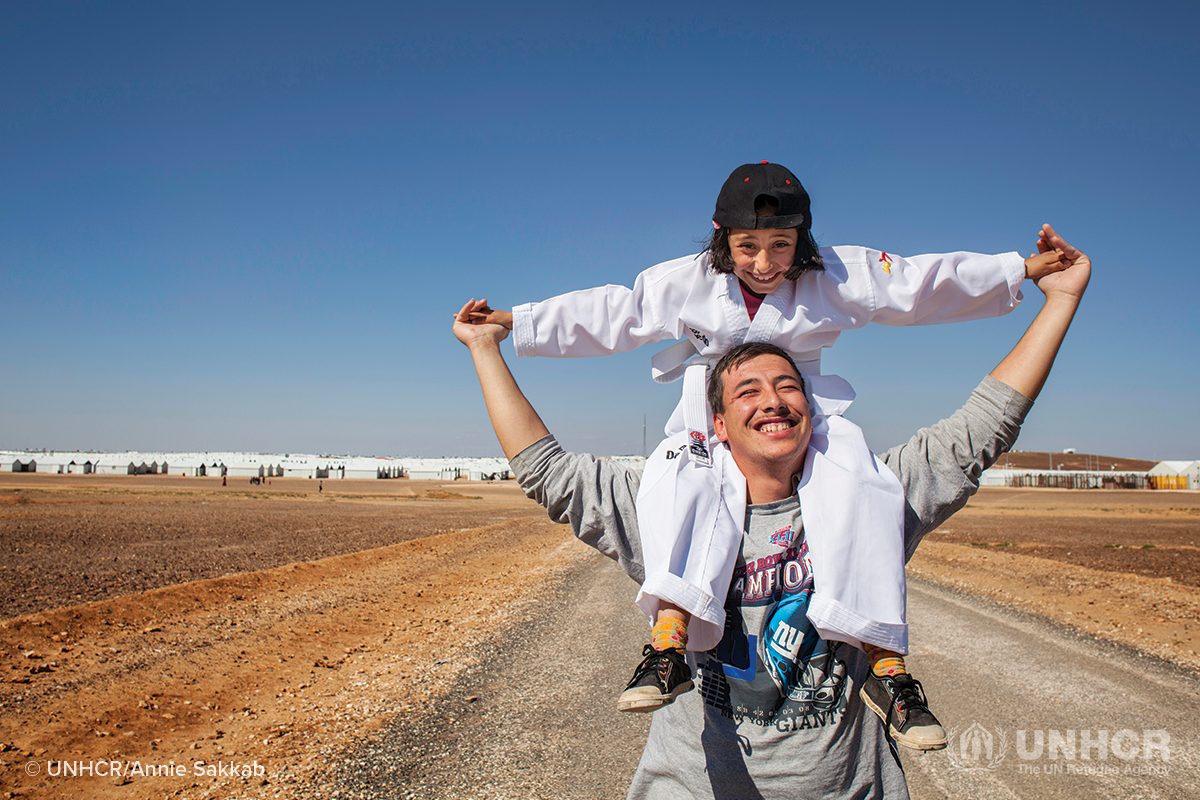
x=692 y=499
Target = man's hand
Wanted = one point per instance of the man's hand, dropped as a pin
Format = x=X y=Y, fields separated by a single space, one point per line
x=1073 y=278
x=516 y=424
x=1048 y=239
x=472 y=325
x=1053 y=255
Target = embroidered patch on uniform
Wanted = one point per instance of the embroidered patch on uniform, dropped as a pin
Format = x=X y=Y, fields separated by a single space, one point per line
x=887 y=263
x=699 y=335
x=698 y=448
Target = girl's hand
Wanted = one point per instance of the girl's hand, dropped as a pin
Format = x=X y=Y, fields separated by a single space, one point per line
x=1039 y=265
x=477 y=312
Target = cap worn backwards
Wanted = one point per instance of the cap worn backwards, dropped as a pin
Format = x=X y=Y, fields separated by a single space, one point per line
x=748 y=183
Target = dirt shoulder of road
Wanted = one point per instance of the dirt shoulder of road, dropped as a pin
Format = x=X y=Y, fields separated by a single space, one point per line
x=245 y=685
x=1154 y=615
x=1121 y=565
x=249 y=685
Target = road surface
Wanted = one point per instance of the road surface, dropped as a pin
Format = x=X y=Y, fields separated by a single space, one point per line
x=1024 y=700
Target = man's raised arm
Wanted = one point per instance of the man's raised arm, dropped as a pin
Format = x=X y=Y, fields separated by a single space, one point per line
x=516 y=424
x=940 y=467
x=1027 y=366
x=596 y=497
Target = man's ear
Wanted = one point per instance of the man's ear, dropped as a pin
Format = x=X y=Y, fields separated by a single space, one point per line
x=719 y=427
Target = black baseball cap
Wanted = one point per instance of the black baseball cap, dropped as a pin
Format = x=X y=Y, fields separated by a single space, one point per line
x=749 y=182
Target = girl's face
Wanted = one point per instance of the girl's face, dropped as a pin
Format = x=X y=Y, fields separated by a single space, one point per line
x=762 y=257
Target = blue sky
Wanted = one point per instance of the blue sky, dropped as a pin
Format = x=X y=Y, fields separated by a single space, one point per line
x=244 y=226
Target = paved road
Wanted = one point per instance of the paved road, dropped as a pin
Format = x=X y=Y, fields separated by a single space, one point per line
x=1024 y=681
x=544 y=724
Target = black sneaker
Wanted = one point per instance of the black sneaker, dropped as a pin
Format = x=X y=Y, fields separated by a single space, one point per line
x=662 y=676
x=908 y=718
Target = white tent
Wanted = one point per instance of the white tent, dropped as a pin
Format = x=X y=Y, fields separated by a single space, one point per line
x=1179 y=469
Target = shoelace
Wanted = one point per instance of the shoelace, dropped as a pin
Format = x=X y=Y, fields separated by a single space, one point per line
x=908 y=693
x=652 y=657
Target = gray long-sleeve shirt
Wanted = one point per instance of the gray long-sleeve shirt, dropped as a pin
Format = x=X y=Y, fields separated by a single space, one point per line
x=777 y=712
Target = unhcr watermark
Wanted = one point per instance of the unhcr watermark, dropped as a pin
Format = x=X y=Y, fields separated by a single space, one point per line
x=1049 y=751
x=112 y=768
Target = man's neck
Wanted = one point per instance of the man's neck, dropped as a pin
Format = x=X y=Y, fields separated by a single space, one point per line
x=767 y=488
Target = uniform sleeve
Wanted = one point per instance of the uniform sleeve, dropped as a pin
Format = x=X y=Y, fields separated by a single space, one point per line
x=608 y=319
x=939 y=467
x=595 y=497
x=928 y=289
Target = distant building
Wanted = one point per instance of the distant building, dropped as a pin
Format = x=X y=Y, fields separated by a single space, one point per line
x=1176 y=475
x=1064 y=479
x=254 y=465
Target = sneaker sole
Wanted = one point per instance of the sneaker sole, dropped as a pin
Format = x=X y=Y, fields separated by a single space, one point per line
x=910 y=742
x=643 y=702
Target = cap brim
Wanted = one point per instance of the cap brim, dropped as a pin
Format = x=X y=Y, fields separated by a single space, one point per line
x=789 y=221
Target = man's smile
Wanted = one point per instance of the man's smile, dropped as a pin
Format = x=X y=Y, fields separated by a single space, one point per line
x=774 y=425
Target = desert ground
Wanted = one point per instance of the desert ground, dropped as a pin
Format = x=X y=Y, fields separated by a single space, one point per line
x=230 y=641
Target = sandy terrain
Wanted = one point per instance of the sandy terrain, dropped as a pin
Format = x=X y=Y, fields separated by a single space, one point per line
x=1123 y=565
x=306 y=618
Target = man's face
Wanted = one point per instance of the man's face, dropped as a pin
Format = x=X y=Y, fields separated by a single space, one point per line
x=761 y=258
x=766 y=418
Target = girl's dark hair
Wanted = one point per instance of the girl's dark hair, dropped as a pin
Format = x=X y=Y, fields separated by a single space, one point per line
x=808 y=256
